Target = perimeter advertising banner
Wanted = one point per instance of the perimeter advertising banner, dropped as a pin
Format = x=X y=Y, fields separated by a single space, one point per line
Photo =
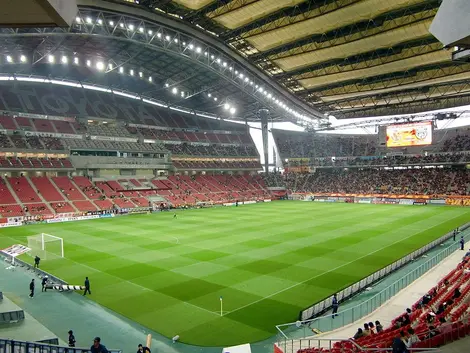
x=415 y=134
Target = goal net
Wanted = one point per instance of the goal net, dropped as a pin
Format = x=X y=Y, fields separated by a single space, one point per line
x=46 y=246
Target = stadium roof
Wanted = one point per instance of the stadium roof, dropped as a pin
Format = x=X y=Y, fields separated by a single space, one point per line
x=302 y=59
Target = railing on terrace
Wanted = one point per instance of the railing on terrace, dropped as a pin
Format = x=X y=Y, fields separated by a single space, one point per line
x=11 y=346
x=307 y=328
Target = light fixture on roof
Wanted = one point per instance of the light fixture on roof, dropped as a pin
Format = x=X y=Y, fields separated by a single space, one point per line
x=236 y=72
x=175 y=40
x=150 y=79
x=100 y=65
x=215 y=98
x=218 y=60
x=131 y=72
x=76 y=61
x=174 y=90
x=166 y=84
x=141 y=74
x=232 y=110
x=111 y=23
x=78 y=19
x=241 y=75
x=212 y=57
x=9 y=59
x=230 y=68
x=198 y=50
x=110 y=66
x=88 y=20
x=191 y=46
x=184 y=44
x=209 y=95
x=226 y=106
x=51 y=58
x=141 y=29
x=159 y=35
x=167 y=38
x=131 y=27
x=121 y=69
x=182 y=94
x=22 y=58
x=150 y=32
x=100 y=21
x=64 y=59
x=205 y=53
x=246 y=79
x=88 y=63
x=121 y=25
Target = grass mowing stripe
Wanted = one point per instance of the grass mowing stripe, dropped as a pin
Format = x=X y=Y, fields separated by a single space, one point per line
x=244 y=254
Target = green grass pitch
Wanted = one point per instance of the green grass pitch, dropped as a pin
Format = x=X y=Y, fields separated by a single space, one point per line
x=268 y=261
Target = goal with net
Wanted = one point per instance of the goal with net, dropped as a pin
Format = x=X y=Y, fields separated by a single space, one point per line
x=46 y=246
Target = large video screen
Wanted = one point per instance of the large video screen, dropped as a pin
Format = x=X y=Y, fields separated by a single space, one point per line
x=414 y=134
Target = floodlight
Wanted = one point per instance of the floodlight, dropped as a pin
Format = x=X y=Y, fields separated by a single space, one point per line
x=131 y=72
x=209 y=95
x=111 y=23
x=191 y=46
x=241 y=75
x=23 y=58
x=121 y=25
x=64 y=60
x=88 y=20
x=224 y=64
x=131 y=27
x=141 y=29
x=232 y=110
x=218 y=60
x=205 y=53
x=184 y=44
x=110 y=66
x=215 y=98
x=175 y=40
x=150 y=32
x=198 y=49
x=159 y=35
x=78 y=19
x=75 y=61
x=212 y=57
x=226 y=106
x=246 y=79
x=182 y=94
x=88 y=63
x=9 y=59
x=236 y=72
x=167 y=38
x=100 y=65
x=174 y=90
x=51 y=58
x=150 y=78
x=141 y=74
x=121 y=70
x=100 y=21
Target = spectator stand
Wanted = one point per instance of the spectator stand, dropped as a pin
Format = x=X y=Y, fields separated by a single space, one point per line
x=306 y=328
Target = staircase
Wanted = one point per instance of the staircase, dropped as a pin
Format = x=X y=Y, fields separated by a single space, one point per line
x=40 y=195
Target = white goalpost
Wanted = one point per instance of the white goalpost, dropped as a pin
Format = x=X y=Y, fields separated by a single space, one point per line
x=46 y=246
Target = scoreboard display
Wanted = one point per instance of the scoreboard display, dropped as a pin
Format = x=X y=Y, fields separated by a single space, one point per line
x=414 y=134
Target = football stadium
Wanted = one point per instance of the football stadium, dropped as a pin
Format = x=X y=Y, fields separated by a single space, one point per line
x=235 y=176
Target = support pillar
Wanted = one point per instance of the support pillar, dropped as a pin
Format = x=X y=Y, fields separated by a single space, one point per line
x=264 y=116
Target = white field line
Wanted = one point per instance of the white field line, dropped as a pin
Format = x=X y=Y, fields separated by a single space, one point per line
x=336 y=268
x=132 y=283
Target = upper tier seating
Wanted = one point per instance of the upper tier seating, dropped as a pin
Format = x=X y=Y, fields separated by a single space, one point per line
x=112 y=145
x=217 y=164
x=22 y=163
x=105 y=130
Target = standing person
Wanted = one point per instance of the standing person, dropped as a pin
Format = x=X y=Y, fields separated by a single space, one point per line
x=71 y=339
x=98 y=347
x=335 y=306
x=44 y=284
x=454 y=233
x=462 y=242
x=31 y=289
x=87 y=286
x=143 y=349
x=37 y=259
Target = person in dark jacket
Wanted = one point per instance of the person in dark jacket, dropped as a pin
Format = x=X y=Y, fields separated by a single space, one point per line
x=44 y=284
x=398 y=346
x=335 y=306
x=37 y=259
x=462 y=243
x=71 y=339
x=143 y=349
x=87 y=286
x=31 y=288
x=97 y=347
